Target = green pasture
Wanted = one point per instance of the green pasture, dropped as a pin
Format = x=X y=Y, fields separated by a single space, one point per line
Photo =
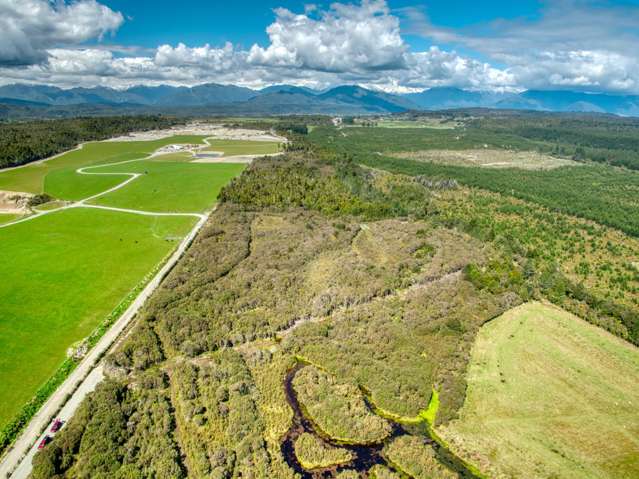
x=62 y=274
x=549 y=395
x=243 y=147
x=58 y=178
x=6 y=218
x=169 y=186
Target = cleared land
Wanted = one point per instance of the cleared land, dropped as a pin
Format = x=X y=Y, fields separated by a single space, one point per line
x=549 y=395
x=62 y=275
x=488 y=158
x=433 y=123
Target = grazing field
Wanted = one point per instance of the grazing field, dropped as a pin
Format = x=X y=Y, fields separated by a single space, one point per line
x=241 y=147
x=62 y=275
x=66 y=271
x=549 y=395
x=57 y=176
x=168 y=186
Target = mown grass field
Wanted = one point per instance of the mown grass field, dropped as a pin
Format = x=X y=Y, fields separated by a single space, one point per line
x=58 y=178
x=169 y=186
x=241 y=147
x=550 y=395
x=62 y=275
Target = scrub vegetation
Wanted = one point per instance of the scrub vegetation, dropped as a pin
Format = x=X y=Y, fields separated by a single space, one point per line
x=313 y=453
x=338 y=409
x=328 y=306
x=416 y=459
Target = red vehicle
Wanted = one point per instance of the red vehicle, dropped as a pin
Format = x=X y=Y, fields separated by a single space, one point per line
x=57 y=424
x=45 y=440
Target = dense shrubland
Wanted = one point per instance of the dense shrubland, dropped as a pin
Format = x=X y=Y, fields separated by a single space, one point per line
x=24 y=142
x=382 y=472
x=416 y=459
x=381 y=304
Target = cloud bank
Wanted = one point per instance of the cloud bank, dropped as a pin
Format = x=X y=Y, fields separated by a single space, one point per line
x=573 y=44
x=28 y=28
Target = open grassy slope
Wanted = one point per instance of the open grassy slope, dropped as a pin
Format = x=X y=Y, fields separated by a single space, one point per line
x=58 y=178
x=62 y=274
x=550 y=395
x=169 y=186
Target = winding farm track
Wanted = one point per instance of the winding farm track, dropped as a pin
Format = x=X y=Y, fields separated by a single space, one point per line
x=83 y=202
x=62 y=404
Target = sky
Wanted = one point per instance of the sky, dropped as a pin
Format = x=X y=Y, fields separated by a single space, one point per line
x=390 y=45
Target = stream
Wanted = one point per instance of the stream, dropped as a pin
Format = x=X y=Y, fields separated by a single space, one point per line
x=364 y=456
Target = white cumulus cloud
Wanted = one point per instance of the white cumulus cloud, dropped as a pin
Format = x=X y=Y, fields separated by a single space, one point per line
x=345 y=38
x=580 y=44
x=29 y=28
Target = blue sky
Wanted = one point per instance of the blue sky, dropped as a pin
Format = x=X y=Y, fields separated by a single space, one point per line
x=391 y=45
x=154 y=22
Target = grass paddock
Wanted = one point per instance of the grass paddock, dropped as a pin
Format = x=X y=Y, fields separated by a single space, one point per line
x=63 y=273
x=549 y=395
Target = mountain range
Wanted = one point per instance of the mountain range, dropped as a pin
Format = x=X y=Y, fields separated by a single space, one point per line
x=24 y=100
